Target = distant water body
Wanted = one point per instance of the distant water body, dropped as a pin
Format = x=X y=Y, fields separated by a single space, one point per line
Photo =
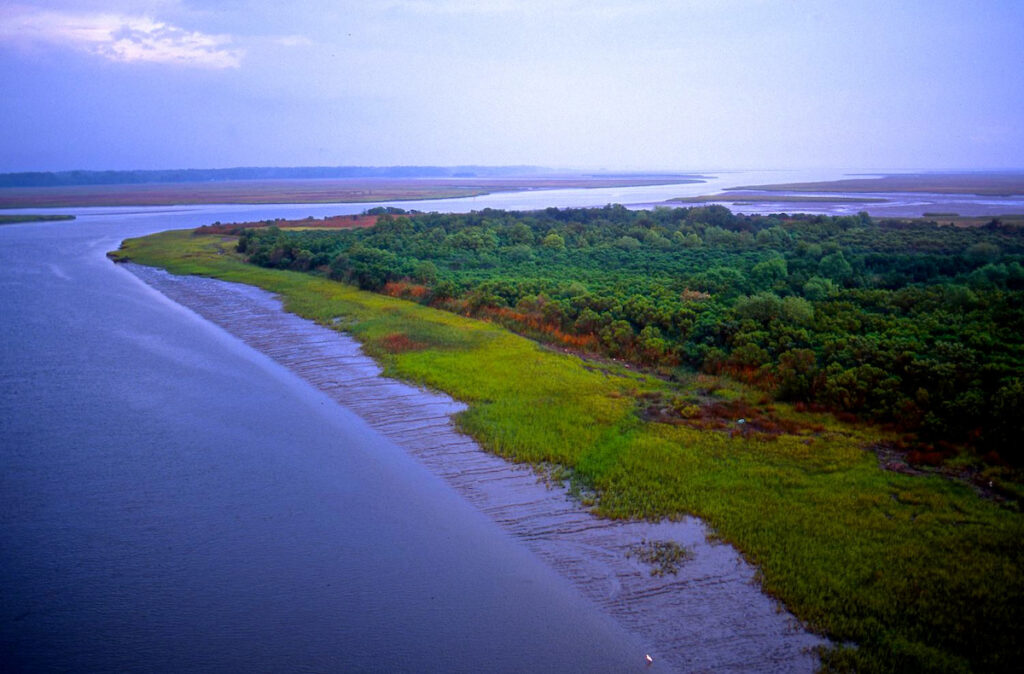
x=645 y=196
x=880 y=204
x=172 y=499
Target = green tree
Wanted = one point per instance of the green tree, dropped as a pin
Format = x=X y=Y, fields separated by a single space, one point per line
x=765 y=275
x=834 y=266
x=817 y=288
x=425 y=271
x=553 y=241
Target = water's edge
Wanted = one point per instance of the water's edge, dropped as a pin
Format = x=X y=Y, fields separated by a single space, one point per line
x=710 y=616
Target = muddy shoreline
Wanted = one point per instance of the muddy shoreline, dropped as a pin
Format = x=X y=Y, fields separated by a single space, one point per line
x=710 y=616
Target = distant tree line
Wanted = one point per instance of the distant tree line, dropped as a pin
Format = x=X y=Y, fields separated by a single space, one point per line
x=66 y=178
x=901 y=322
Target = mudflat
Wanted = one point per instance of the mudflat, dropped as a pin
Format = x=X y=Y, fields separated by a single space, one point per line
x=977 y=183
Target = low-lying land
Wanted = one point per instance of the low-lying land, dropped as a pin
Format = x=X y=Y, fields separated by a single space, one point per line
x=1001 y=184
x=957 y=220
x=730 y=197
x=32 y=217
x=208 y=175
x=921 y=572
x=330 y=222
x=342 y=190
x=826 y=311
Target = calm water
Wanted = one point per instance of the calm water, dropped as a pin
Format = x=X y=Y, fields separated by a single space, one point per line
x=172 y=500
x=709 y=616
x=192 y=216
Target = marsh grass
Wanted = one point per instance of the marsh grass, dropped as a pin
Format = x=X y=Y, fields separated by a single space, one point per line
x=664 y=557
x=918 y=571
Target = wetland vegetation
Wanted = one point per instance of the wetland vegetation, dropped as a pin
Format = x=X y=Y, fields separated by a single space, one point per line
x=905 y=323
x=11 y=219
x=693 y=361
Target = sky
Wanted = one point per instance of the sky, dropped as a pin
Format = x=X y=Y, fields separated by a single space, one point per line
x=591 y=84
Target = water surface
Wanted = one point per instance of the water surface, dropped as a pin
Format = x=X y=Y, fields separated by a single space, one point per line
x=174 y=501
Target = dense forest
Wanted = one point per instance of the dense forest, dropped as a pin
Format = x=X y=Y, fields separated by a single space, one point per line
x=909 y=323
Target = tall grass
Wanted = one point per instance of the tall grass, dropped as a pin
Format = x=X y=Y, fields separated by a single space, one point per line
x=912 y=573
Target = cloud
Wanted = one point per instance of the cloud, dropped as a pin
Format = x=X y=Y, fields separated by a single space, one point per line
x=118 y=37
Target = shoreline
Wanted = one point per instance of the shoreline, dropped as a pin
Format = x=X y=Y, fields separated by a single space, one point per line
x=707 y=595
x=891 y=195
x=765 y=495
x=977 y=184
x=322 y=192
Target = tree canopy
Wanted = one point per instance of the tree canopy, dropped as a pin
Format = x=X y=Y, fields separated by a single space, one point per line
x=903 y=322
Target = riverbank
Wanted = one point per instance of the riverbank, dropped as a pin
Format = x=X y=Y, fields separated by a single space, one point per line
x=979 y=194
x=175 y=501
x=324 y=191
x=918 y=570
x=977 y=183
x=705 y=592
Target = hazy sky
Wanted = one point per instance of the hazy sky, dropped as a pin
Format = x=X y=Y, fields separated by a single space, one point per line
x=620 y=84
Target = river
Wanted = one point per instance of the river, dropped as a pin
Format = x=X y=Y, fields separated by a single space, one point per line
x=174 y=499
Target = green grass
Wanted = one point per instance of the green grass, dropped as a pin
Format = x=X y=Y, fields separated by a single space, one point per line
x=918 y=571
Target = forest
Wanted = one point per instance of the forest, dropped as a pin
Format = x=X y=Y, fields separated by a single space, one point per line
x=908 y=323
x=904 y=567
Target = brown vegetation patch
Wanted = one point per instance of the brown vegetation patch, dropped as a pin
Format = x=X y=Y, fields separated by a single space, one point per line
x=406 y=290
x=537 y=327
x=893 y=458
x=992 y=479
x=737 y=417
x=335 y=222
x=694 y=296
x=330 y=222
x=399 y=343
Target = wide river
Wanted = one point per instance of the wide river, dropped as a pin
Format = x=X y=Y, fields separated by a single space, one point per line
x=172 y=499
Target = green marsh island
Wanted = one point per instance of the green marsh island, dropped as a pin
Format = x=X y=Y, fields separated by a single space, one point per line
x=838 y=397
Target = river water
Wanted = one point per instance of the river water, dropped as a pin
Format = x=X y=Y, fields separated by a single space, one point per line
x=176 y=498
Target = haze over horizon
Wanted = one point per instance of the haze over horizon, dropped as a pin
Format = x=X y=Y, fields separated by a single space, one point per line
x=612 y=84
